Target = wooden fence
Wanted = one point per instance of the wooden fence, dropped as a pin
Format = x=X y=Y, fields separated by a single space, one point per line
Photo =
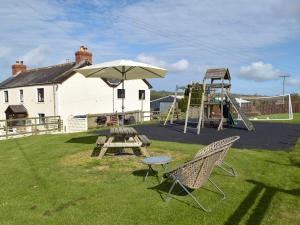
x=296 y=107
x=29 y=126
x=267 y=109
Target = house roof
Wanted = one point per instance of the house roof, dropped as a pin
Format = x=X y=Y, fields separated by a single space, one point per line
x=45 y=75
x=17 y=109
x=217 y=73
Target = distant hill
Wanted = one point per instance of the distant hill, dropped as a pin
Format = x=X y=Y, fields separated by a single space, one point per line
x=159 y=94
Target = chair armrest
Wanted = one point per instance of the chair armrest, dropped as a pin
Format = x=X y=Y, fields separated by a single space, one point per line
x=203 y=151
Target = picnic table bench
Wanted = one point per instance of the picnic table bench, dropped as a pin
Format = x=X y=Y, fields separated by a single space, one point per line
x=101 y=140
x=123 y=137
x=145 y=140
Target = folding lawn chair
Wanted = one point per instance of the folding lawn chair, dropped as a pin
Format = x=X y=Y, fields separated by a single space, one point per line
x=195 y=173
x=226 y=144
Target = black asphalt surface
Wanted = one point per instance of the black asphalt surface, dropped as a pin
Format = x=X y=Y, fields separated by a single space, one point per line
x=271 y=136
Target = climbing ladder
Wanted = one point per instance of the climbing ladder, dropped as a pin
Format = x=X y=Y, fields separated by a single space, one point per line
x=240 y=111
x=191 y=104
x=171 y=112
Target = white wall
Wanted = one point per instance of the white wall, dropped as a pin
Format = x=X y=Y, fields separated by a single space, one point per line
x=30 y=100
x=80 y=96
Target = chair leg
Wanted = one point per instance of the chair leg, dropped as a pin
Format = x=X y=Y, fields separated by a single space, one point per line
x=218 y=188
x=170 y=191
x=194 y=198
x=232 y=173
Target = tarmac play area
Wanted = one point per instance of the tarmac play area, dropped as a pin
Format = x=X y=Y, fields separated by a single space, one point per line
x=271 y=136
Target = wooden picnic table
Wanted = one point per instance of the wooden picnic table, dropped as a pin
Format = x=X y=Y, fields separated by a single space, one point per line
x=123 y=131
x=125 y=137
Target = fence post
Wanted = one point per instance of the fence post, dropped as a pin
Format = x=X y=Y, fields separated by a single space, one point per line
x=59 y=124
x=35 y=126
x=6 y=129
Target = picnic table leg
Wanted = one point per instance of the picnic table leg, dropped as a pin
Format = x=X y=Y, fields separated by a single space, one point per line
x=105 y=147
x=142 y=149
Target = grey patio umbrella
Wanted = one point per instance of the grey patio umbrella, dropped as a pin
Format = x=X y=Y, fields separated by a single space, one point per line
x=123 y=70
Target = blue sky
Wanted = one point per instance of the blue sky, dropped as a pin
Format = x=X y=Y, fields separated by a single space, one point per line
x=257 y=40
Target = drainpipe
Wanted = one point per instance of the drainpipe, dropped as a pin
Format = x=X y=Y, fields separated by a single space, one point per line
x=54 y=87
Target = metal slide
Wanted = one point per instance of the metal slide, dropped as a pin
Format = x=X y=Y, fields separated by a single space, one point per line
x=243 y=116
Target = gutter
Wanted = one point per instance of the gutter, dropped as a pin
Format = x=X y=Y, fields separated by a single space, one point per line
x=54 y=87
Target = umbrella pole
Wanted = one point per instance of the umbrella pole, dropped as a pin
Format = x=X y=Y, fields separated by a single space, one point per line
x=123 y=107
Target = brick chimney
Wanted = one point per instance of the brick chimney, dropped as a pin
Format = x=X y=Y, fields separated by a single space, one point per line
x=83 y=54
x=18 y=67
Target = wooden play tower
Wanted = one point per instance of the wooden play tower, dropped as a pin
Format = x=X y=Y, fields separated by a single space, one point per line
x=216 y=105
x=217 y=101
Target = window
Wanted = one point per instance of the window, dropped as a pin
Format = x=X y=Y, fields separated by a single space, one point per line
x=21 y=96
x=141 y=94
x=40 y=94
x=6 y=96
x=42 y=119
x=121 y=93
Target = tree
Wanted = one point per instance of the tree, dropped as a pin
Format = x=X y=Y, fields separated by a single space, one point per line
x=196 y=96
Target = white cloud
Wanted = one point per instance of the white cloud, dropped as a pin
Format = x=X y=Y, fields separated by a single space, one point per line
x=44 y=33
x=37 y=56
x=178 y=66
x=210 y=31
x=259 y=71
x=151 y=60
x=181 y=35
x=293 y=81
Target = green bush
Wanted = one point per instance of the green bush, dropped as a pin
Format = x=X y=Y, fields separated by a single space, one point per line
x=195 y=98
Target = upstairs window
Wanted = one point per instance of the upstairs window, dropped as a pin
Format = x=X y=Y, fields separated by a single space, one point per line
x=6 y=96
x=141 y=94
x=121 y=93
x=40 y=94
x=21 y=96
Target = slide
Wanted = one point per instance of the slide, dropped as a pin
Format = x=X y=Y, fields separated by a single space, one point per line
x=243 y=116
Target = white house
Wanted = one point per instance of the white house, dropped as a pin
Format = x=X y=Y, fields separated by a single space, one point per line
x=60 y=91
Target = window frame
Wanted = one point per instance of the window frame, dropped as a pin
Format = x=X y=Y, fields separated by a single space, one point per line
x=21 y=95
x=42 y=99
x=121 y=93
x=6 y=97
x=140 y=95
x=42 y=118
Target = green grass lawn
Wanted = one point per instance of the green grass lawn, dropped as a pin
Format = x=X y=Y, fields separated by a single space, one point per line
x=51 y=179
x=296 y=118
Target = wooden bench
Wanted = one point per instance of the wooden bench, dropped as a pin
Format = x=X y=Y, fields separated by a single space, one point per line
x=145 y=140
x=101 y=141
